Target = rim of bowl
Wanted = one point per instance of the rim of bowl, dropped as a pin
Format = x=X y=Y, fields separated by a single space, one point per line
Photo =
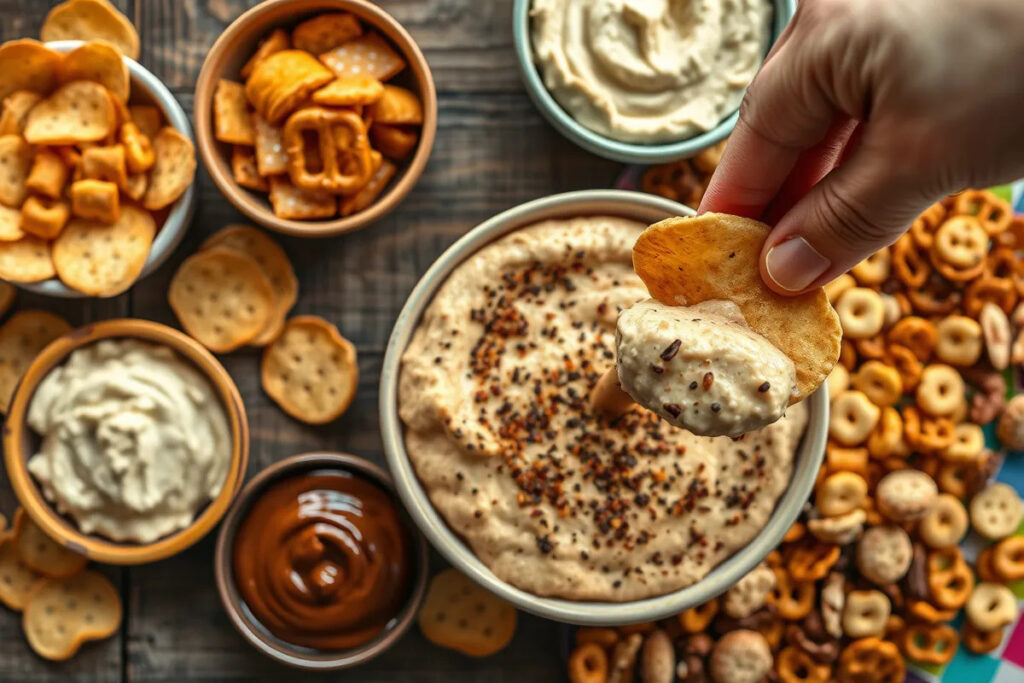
x=232 y=601
x=256 y=206
x=172 y=232
x=638 y=206
x=65 y=531
x=601 y=145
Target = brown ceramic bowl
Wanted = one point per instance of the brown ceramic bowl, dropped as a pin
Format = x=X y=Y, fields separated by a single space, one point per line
x=234 y=47
x=242 y=618
x=20 y=441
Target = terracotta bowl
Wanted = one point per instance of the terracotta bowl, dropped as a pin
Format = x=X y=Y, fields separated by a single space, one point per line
x=242 y=618
x=234 y=47
x=20 y=443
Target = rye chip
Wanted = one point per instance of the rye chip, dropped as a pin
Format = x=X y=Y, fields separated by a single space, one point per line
x=15 y=166
x=79 y=111
x=222 y=298
x=22 y=337
x=42 y=554
x=98 y=62
x=685 y=261
x=104 y=260
x=231 y=120
x=310 y=370
x=369 y=55
x=325 y=32
x=61 y=614
x=26 y=260
x=27 y=65
x=460 y=615
x=172 y=171
x=10 y=224
x=91 y=20
x=16 y=579
x=16 y=107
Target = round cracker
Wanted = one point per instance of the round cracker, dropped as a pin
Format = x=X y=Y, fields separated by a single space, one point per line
x=42 y=554
x=61 y=614
x=21 y=339
x=27 y=65
x=91 y=20
x=26 y=260
x=100 y=62
x=78 y=111
x=104 y=260
x=310 y=370
x=172 y=171
x=458 y=614
x=274 y=262
x=10 y=224
x=687 y=260
x=17 y=581
x=222 y=298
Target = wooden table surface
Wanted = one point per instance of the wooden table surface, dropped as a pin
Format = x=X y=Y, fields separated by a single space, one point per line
x=493 y=151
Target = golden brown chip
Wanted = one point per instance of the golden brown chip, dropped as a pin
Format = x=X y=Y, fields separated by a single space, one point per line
x=277 y=40
x=138 y=149
x=44 y=217
x=79 y=111
x=271 y=158
x=222 y=298
x=26 y=260
x=15 y=110
x=105 y=163
x=10 y=224
x=368 y=55
x=95 y=200
x=147 y=117
x=293 y=202
x=349 y=92
x=173 y=170
x=15 y=165
x=272 y=259
x=16 y=580
x=231 y=120
x=460 y=615
x=99 y=62
x=684 y=261
x=48 y=175
x=370 y=191
x=310 y=370
x=325 y=32
x=42 y=554
x=243 y=168
x=91 y=20
x=61 y=614
x=22 y=337
x=394 y=142
x=104 y=260
x=27 y=65
x=396 y=106
x=282 y=81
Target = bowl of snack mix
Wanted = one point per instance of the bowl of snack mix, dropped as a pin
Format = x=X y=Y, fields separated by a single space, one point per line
x=102 y=166
x=315 y=118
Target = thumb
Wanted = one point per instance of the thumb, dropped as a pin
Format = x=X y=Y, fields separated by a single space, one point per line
x=859 y=207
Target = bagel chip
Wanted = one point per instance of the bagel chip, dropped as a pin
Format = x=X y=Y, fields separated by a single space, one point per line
x=17 y=580
x=15 y=110
x=27 y=64
x=79 y=111
x=98 y=62
x=26 y=260
x=91 y=20
x=687 y=260
x=61 y=614
x=15 y=167
x=172 y=171
x=104 y=260
x=42 y=554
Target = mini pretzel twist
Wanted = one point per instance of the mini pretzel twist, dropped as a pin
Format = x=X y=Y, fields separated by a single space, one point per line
x=343 y=145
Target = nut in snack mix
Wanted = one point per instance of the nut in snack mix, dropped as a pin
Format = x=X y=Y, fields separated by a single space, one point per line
x=76 y=151
x=315 y=124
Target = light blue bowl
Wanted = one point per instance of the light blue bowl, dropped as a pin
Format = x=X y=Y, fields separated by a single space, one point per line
x=599 y=144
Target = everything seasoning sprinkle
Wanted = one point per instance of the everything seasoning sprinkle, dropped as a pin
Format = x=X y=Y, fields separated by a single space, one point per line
x=671 y=350
x=708 y=380
x=765 y=386
x=672 y=409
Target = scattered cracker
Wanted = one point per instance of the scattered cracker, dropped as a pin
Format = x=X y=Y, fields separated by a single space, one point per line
x=16 y=107
x=27 y=65
x=243 y=168
x=173 y=170
x=16 y=579
x=460 y=615
x=98 y=62
x=42 y=554
x=271 y=157
x=293 y=202
x=104 y=260
x=684 y=261
x=79 y=111
x=368 y=55
x=310 y=370
x=15 y=165
x=349 y=92
x=91 y=20
x=10 y=224
x=325 y=32
x=22 y=337
x=26 y=260
x=61 y=614
x=222 y=298
x=231 y=120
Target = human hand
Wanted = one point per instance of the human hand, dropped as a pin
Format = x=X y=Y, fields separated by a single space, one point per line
x=863 y=114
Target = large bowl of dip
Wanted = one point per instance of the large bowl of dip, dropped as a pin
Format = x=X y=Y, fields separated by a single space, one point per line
x=643 y=82
x=126 y=441
x=467 y=496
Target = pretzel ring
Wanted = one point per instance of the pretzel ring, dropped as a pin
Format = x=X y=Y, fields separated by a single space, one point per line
x=922 y=230
x=1008 y=558
x=588 y=663
x=916 y=334
x=991 y=606
x=697 y=619
x=1004 y=262
x=906 y=363
x=871 y=660
x=343 y=145
x=958 y=341
x=875 y=269
x=796 y=666
x=945 y=523
x=928 y=434
x=950 y=580
x=812 y=561
x=1000 y=292
x=885 y=439
x=930 y=643
x=993 y=213
x=861 y=313
x=853 y=417
x=879 y=382
x=960 y=248
x=940 y=390
x=922 y=610
x=981 y=642
x=907 y=263
x=794 y=600
x=935 y=300
x=952 y=478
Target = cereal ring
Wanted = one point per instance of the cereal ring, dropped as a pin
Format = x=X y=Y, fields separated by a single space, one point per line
x=893 y=310
x=879 y=382
x=792 y=599
x=996 y=511
x=740 y=656
x=929 y=643
x=945 y=524
x=983 y=566
x=697 y=619
x=995 y=328
x=841 y=530
x=872 y=348
x=865 y=613
x=839 y=459
x=861 y=313
x=940 y=390
x=959 y=249
x=838 y=380
x=991 y=606
x=847 y=354
x=986 y=289
x=981 y=642
x=588 y=663
x=875 y=269
x=916 y=334
x=812 y=561
x=994 y=213
x=906 y=363
x=884 y=554
x=952 y=478
x=1008 y=558
x=909 y=266
x=1010 y=428
x=797 y=666
x=888 y=434
x=836 y=288
x=853 y=418
x=937 y=299
x=922 y=230
x=871 y=660
x=841 y=493
x=905 y=495
x=968 y=441
x=950 y=580
x=959 y=340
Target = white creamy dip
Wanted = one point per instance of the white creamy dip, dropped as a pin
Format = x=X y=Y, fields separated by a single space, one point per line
x=134 y=440
x=649 y=71
x=701 y=368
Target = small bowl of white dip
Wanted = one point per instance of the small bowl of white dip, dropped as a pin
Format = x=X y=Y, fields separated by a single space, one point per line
x=126 y=441
x=643 y=82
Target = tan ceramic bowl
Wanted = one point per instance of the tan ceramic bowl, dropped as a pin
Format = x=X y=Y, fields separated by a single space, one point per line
x=20 y=441
x=242 y=618
x=234 y=47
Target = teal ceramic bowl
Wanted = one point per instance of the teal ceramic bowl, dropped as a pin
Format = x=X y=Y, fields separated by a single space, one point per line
x=606 y=147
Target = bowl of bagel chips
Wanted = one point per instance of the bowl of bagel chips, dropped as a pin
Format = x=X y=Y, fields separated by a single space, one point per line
x=96 y=168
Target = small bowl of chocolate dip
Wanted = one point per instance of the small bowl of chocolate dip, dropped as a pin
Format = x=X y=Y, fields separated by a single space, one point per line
x=318 y=565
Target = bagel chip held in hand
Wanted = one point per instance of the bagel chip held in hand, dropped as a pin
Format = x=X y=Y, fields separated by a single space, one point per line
x=717 y=352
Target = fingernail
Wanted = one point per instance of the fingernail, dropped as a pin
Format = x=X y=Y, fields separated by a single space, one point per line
x=794 y=264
